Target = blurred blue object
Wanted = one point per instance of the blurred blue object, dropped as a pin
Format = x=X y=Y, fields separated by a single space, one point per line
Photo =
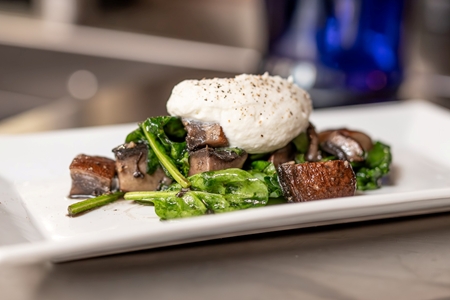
x=342 y=51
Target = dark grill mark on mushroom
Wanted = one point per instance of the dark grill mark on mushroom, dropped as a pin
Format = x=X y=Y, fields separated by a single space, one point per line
x=131 y=165
x=91 y=176
x=200 y=135
x=316 y=180
x=137 y=172
x=210 y=159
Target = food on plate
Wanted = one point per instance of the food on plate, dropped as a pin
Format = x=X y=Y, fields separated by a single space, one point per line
x=131 y=166
x=91 y=175
x=375 y=166
x=317 y=180
x=87 y=205
x=345 y=144
x=238 y=143
x=214 y=159
x=282 y=155
x=210 y=192
x=204 y=134
x=258 y=113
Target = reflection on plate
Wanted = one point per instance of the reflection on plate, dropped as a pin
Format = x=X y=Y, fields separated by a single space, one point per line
x=34 y=182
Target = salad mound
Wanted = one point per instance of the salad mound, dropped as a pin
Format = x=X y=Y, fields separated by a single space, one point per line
x=186 y=166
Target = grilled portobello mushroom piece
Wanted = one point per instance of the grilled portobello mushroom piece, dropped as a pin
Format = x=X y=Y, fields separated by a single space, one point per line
x=213 y=159
x=91 y=176
x=282 y=155
x=200 y=135
x=346 y=144
x=316 y=180
x=131 y=165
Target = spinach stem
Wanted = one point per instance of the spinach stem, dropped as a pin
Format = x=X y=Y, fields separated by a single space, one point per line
x=92 y=203
x=165 y=160
x=147 y=195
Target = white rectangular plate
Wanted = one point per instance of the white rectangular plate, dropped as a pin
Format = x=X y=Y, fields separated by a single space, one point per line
x=34 y=183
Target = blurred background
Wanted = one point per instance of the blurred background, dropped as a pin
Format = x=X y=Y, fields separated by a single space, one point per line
x=78 y=63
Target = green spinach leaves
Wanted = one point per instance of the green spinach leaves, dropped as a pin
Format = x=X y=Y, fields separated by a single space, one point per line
x=213 y=191
x=377 y=164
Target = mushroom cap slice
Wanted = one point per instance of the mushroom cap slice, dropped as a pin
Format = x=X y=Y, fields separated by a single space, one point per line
x=363 y=139
x=346 y=144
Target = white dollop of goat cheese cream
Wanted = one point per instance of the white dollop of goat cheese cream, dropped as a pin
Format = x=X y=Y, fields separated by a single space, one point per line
x=258 y=113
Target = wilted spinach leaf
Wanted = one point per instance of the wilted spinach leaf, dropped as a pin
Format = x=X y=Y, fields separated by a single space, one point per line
x=215 y=191
x=266 y=172
x=376 y=165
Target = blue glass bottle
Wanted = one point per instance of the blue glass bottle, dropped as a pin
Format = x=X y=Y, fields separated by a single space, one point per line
x=342 y=51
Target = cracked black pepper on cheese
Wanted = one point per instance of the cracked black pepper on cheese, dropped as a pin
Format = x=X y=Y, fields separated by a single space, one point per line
x=258 y=113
